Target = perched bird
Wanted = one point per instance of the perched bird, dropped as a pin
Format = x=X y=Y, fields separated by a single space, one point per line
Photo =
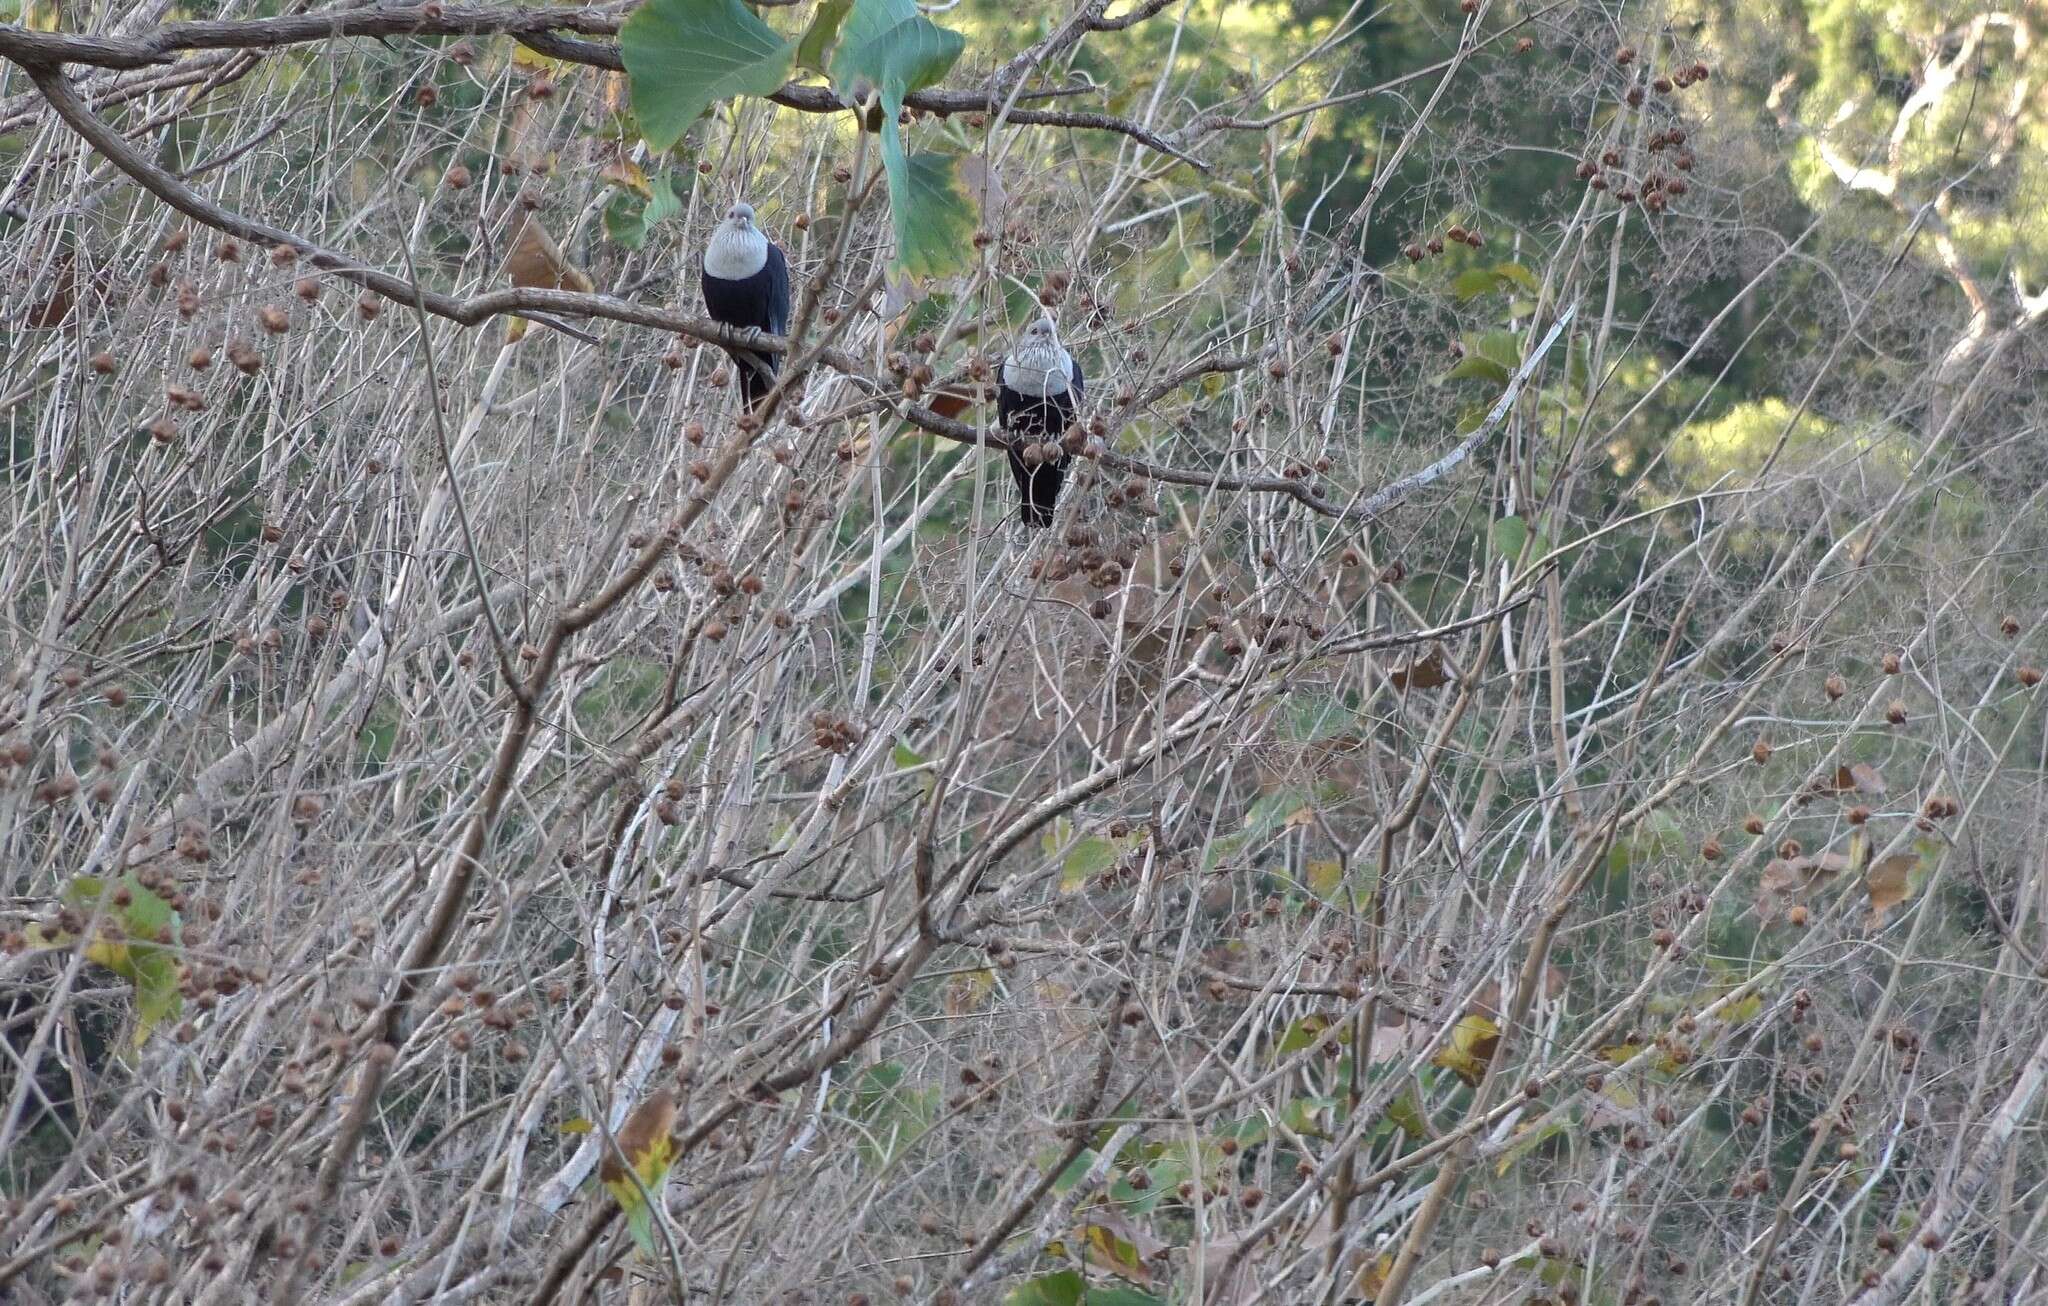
x=746 y=284
x=1037 y=395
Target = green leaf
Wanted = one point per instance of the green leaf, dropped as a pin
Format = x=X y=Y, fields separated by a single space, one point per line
x=1121 y=1295
x=1509 y=535
x=1474 y=282
x=894 y=49
x=889 y=48
x=1081 y=860
x=814 y=50
x=625 y=220
x=1518 y=275
x=683 y=56
x=907 y=757
x=935 y=221
x=1405 y=1112
x=1303 y=1034
x=1311 y=717
x=1076 y=1170
x=1060 y=1289
x=628 y=219
x=896 y=1114
x=1475 y=367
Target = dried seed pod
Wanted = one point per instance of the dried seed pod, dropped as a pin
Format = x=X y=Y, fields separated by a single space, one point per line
x=1761 y=751
x=456 y=178
x=1834 y=687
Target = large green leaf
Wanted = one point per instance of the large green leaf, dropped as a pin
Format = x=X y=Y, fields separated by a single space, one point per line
x=683 y=56
x=888 y=48
x=935 y=222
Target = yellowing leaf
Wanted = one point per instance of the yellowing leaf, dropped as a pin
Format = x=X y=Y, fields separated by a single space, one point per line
x=1118 y=1246
x=1890 y=883
x=1324 y=877
x=1743 y=1009
x=645 y=1145
x=627 y=175
x=1372 y=1277
x=576 y=1125
x=536 y=62
x=1473 y=1040
x=967 y=991
x=137 y=940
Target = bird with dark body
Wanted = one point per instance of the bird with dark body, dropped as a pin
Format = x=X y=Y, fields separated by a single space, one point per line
x=1037 y=394
x=746 y=284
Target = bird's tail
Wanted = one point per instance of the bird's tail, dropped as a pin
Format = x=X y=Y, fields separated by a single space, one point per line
x=1035 y=513
x=754 y=383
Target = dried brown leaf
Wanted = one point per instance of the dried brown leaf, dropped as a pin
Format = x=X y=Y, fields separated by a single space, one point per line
x=536 y=262
x=1427 y=672
x=1890 y=883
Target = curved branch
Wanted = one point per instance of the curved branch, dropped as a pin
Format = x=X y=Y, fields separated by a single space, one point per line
x=538 y=29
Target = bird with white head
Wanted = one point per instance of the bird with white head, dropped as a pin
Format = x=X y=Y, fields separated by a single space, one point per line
x=746 y=285
x=1038 y=391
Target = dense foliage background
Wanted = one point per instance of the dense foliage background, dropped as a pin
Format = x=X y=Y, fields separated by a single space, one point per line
x=1515 y=778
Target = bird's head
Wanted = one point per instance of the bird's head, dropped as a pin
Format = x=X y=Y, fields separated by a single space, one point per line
x=740 y=217
x=1041 y=334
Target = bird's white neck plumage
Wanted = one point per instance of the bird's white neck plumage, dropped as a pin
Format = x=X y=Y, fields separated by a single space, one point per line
x=735 y=253
x=1038 y=368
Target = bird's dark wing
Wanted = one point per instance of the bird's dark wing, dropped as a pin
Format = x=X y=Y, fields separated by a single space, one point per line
x=777 y=268
x=1074 y=378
